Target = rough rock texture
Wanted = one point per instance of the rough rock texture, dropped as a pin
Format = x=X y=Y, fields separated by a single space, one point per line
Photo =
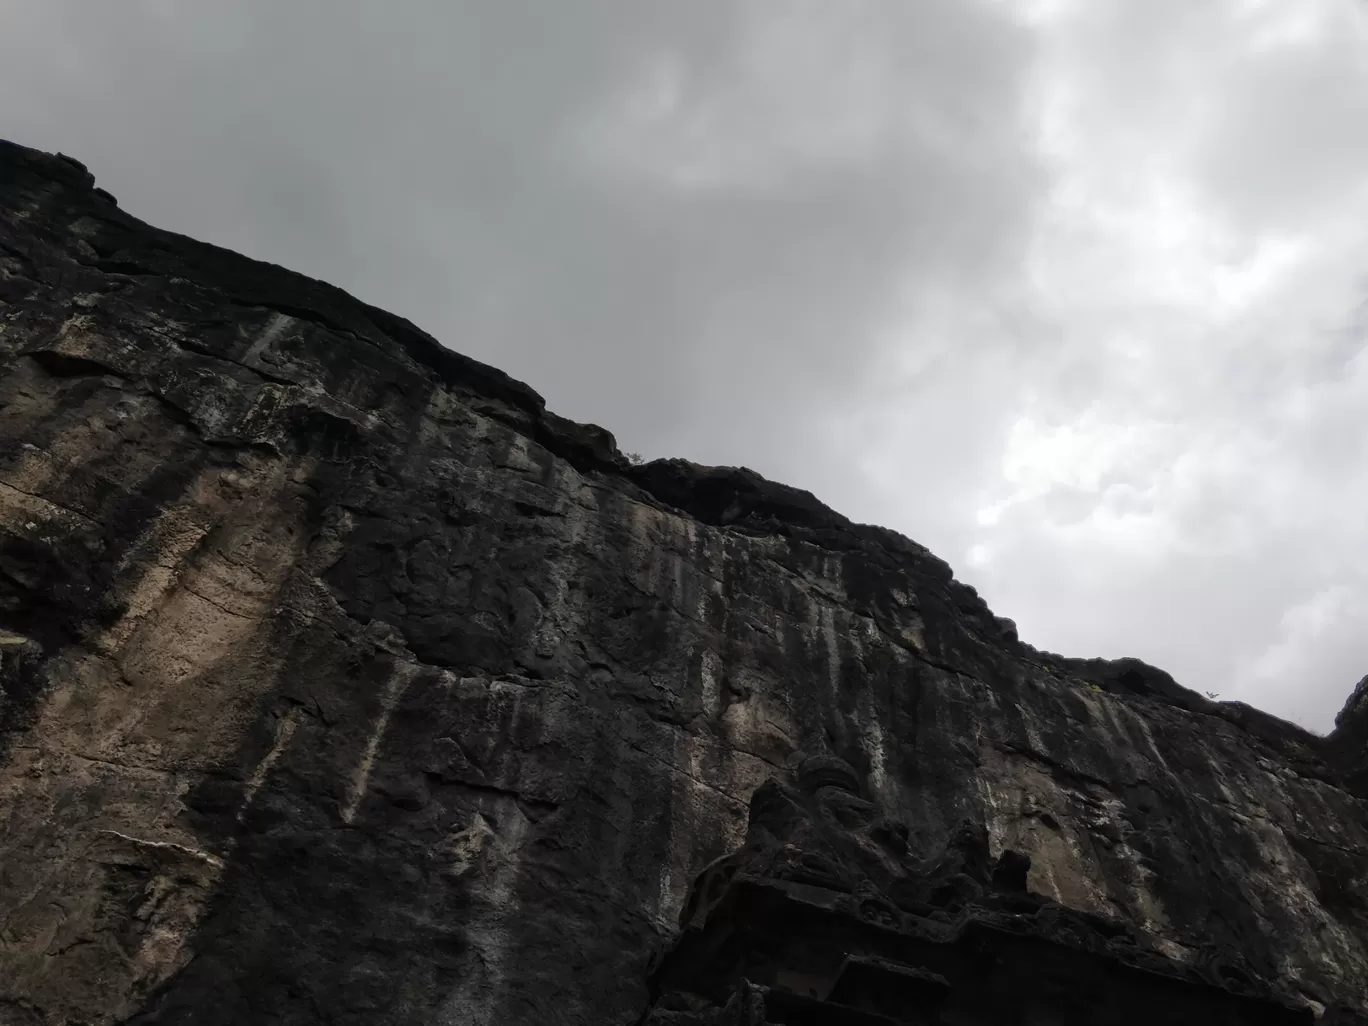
x=826 y=915
x=340 y=682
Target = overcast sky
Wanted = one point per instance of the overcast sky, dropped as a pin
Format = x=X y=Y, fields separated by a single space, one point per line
x=1074 y=292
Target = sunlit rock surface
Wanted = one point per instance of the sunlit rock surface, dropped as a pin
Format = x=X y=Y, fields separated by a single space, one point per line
x=340 y=682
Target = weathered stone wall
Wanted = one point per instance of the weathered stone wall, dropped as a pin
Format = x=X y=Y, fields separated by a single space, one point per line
x=343 y=683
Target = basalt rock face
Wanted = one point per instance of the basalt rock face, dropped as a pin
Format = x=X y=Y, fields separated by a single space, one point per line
x=341 y=682
x=826 y=916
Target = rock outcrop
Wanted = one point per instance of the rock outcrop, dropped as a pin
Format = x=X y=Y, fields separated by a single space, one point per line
x=341 y=682
x=826 y=916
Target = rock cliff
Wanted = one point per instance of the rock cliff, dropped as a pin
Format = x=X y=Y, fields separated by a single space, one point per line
x=341 y=682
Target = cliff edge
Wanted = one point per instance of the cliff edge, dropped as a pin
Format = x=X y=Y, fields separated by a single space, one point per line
x=342 y=682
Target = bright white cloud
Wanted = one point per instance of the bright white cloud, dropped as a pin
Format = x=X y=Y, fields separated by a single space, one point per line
x=1195 y=428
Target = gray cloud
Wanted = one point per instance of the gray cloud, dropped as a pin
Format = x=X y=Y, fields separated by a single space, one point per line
x=440 y=159
x=1095 y=269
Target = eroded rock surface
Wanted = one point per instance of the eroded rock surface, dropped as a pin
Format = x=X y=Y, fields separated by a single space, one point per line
x=341 y=682
x=826 y=915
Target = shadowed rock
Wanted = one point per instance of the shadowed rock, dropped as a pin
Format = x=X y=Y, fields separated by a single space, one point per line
x=825 y=916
